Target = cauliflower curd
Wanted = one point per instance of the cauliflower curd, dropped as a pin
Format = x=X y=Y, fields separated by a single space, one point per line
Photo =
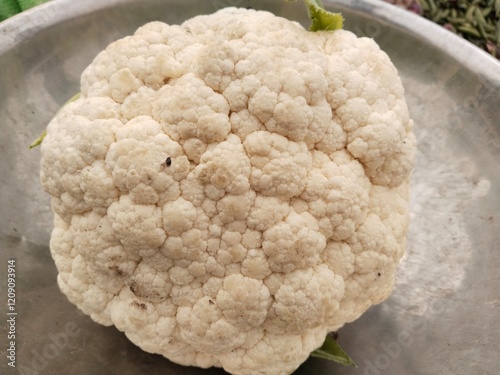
x=229 y=190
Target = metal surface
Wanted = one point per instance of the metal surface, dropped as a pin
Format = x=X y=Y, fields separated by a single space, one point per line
x=444 y=316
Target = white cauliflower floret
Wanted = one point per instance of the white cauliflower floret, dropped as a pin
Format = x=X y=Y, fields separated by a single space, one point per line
x=228 y=191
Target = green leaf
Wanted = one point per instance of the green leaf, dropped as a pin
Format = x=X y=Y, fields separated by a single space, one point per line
x=26 y=4
x=332 y=351
x=321 y=18
x=8 y=8
x=39 y=140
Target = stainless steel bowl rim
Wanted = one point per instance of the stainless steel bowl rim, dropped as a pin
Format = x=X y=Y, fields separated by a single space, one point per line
x=28 y=23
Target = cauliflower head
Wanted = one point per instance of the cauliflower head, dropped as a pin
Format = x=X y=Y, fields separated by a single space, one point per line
x=229 y=190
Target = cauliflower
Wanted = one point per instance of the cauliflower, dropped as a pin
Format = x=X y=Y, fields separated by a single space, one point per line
x=228 y=191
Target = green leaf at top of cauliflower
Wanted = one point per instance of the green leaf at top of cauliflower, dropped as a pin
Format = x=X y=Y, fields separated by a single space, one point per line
x=321 y=18
x=229 y=190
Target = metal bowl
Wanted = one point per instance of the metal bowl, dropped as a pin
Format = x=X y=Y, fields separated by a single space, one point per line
x=444 y=316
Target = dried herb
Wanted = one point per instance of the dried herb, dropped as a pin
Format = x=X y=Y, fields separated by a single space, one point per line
x=477 y=21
